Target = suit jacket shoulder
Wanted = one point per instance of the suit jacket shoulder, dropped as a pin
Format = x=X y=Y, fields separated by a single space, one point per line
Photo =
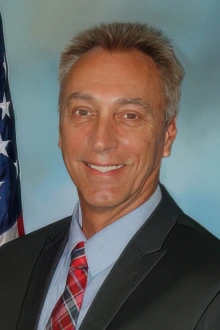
x=201 y=239
x=26 y=266
x=35 y=237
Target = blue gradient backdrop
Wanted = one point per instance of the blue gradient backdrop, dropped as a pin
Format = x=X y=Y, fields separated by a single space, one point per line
x=35 y=33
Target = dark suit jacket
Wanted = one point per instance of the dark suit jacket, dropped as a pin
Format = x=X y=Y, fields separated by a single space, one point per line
x=167 y=278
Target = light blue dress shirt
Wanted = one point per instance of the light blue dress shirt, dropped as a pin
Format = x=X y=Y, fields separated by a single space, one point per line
x=102 y=250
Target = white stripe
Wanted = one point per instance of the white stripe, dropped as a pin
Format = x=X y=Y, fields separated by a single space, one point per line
x=9 y=235
x=68 y=308
x=73 y=298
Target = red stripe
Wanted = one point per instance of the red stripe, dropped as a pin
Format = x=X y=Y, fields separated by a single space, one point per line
x=20 y=224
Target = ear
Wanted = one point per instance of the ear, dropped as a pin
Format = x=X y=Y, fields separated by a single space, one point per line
x=171 y=132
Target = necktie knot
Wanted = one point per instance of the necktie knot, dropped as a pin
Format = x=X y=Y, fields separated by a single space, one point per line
x=78 y=257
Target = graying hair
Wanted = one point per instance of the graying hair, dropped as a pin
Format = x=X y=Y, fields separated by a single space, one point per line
x=124 y=37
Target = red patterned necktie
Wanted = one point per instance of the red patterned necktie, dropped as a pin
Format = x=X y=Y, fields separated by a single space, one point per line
x=66 y=311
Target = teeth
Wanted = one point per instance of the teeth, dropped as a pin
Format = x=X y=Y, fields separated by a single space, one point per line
x=105 y=168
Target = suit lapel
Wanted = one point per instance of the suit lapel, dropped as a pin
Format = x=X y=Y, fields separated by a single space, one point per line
x=118 y=286
x=138 y=259
x=41 y=277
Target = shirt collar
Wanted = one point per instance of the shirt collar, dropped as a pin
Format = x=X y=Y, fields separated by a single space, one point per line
x=75 y=234
x=104 y=248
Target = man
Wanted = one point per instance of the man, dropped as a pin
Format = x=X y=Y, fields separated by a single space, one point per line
x=128 y=258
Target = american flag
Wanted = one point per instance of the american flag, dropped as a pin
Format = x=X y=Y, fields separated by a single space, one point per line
x=11 y=222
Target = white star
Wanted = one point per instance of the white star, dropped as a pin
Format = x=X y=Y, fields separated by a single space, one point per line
x=5 y=67
x=5 y=107
x=1 y=183
x=16 y=165
x=3 y=145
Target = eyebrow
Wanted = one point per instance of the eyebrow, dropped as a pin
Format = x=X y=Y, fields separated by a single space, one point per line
x=80 y=96
x=122 y=101
x=135 y=101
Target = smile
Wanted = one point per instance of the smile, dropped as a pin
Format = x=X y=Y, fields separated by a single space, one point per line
x=105 y=168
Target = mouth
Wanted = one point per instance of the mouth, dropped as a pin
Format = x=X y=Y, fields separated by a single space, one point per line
x=105 y=169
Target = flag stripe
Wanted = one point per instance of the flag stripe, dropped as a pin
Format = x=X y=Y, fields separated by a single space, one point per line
x=10 y=193
x=20 y=224
x=9 y=235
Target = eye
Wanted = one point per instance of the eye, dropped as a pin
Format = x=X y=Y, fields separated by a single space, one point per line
x=82 y=113
x=131 y=116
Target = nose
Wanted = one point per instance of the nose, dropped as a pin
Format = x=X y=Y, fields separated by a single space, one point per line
x=104 y=135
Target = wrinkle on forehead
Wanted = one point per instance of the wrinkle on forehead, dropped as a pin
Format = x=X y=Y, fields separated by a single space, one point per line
x=123 y=77
x=116 y=100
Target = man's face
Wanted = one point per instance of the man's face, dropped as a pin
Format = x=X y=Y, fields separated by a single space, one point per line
x=112 y=130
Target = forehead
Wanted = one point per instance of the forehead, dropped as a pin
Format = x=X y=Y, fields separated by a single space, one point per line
x=115 y=74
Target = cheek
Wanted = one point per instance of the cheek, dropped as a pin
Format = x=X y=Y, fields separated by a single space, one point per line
x=139 y=148
x=71 y=139
x=150 y=148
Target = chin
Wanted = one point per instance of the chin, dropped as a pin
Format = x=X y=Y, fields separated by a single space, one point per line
x=103 y=200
